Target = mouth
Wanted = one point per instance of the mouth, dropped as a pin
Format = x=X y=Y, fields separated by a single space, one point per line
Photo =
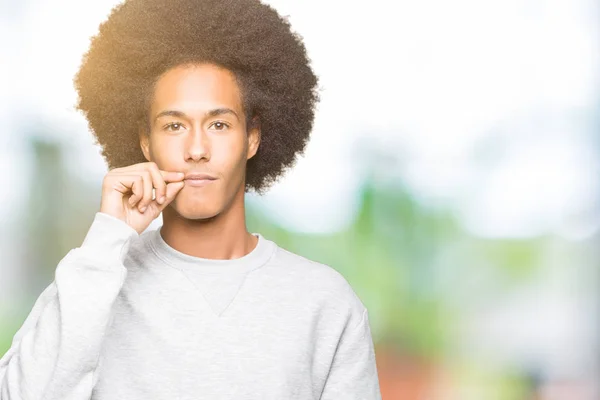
x=198 y=182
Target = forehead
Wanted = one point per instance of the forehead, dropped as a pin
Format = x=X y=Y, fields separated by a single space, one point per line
x=195 y=89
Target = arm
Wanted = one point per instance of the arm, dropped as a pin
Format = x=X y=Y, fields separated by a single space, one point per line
x=55 y=353
x=353 y=372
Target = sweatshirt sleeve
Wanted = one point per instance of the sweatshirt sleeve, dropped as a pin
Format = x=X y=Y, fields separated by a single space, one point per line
x=55 y=352
x=353 y=373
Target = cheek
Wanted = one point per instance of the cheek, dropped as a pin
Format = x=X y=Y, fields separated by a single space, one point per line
x=229 y=155
x=166 y=152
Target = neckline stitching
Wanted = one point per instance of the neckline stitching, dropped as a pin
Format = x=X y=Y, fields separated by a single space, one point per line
x=151 y=245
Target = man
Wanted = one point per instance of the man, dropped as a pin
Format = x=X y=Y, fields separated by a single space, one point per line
x=194 y=103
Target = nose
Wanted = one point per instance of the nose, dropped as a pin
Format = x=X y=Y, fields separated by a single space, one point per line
x=198 y=146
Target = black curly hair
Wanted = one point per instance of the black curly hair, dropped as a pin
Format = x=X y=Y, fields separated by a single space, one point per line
x=142 y=39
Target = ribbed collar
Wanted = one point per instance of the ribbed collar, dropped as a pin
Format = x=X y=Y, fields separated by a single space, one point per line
x=174 y=258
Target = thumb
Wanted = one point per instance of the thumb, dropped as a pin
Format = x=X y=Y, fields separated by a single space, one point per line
x=172 y=189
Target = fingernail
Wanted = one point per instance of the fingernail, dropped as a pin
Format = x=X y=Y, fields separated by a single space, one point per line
x=161 y=200
x=143 y=209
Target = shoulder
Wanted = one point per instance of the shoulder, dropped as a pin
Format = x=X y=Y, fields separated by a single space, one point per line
x=325 y=289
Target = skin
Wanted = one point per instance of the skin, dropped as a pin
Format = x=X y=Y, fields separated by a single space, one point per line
x=209 y=221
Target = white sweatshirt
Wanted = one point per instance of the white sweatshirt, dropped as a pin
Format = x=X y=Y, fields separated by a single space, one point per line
x=129 y=317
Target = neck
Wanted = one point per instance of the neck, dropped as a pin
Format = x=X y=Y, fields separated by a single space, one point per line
x=222 y=237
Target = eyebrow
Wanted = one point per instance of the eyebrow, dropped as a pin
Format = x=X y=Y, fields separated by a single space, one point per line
x=210 y=113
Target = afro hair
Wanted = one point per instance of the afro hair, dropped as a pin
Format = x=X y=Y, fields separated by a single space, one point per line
x=142 y=39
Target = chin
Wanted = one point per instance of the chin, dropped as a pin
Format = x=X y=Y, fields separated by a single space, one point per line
x=194 y=210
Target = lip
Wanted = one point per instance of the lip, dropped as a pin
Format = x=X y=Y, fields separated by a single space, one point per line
x=199 y=176
x=198 y=182
x=198 y=179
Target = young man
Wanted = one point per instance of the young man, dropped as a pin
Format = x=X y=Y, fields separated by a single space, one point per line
x=194 y=102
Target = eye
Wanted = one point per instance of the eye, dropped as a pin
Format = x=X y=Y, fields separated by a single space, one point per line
x=176 y=125
x=220 y=125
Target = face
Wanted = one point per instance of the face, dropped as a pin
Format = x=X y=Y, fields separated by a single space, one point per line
x=197 y=125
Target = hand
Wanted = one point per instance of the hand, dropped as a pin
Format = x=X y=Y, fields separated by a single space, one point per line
x=127 y=193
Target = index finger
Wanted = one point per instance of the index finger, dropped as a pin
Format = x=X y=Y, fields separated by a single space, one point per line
x=172 y=176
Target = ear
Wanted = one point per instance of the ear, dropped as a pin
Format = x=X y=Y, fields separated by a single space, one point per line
x=254 y=136
x=144 y=143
